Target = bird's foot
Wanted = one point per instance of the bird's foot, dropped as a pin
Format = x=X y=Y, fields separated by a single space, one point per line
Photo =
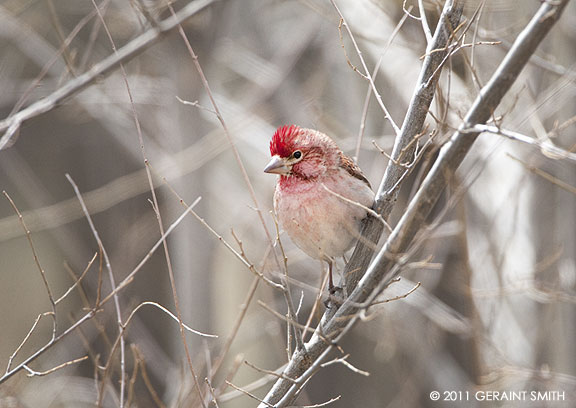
x=334 y=297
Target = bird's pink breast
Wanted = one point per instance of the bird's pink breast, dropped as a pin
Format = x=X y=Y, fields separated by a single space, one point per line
x=318 y=222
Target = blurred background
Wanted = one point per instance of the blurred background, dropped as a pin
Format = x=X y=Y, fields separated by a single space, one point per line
x=496 y=309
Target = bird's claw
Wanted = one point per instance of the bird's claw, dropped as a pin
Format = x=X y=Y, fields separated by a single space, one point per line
x=333 y=298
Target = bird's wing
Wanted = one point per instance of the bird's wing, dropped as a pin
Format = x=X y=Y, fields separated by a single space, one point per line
x=352 y=168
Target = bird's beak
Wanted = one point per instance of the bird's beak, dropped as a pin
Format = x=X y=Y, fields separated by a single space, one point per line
x=277 y=166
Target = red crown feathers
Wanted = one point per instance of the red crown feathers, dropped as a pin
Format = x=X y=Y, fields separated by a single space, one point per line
x=282 y=142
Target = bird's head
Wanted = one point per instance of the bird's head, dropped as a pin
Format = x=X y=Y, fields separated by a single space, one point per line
x=303 y=153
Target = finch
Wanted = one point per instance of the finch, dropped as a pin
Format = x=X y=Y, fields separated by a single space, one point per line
x=321 y=195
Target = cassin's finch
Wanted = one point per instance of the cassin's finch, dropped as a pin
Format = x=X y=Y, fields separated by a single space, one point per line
x=321 y=195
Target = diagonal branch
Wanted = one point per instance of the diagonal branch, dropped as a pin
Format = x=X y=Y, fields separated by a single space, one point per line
x=404 y=148
x=386 y=264
x=11 y=125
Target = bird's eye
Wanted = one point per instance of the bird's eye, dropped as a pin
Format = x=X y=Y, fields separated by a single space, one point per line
x=297 y=154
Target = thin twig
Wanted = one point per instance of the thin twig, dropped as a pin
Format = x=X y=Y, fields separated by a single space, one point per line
x=369 y=90
x=147 y=381
x=235 y=152
x=77 y=282
x=169 y=313
x=366 y=73
x=546 y=147
x=174 y=291
x=236 y=327
x=91 y=313
x=160 y=225
x=315 y=305
x=212 y=393
x=271 y=372
x=357 y=204
x=32 y=373
x=196 y=104
x=260 y=382
x=301 y=326
x=249 y=394
x=13 y=356
x=546 y=176
x=425 y=25
x=37 y=262
x=322 y=404
x=239 y=255
x=134 y=375
x=343 y=360
x=11 y=125
x=46 y=68
x=402 y=296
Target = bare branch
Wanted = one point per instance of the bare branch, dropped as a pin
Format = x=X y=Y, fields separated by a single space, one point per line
x=234 y=331
x=357 y=204
x=546 y=147
x=37 y=262
x=424 y=20
x=546 y=176
x=146 y=379
x=110 y=277
x=169 y=313
x=403 y=296
x=13 y=356
x=413 y=124
x=369 y=90
x=11 y=125
x=271 y=372
x=212 y=392
x=346 y=363
x=90 y=314
x=386 y=264
x=237 y=157
x=32 y=373
x=77 y=281
x=249 y=394
x=366 y=73
x=322 y=404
